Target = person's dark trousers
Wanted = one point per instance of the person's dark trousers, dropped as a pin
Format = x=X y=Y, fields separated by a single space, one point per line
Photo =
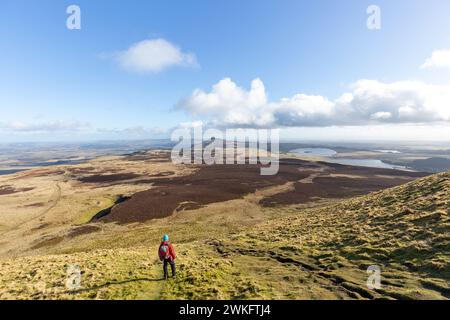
x=172 y=266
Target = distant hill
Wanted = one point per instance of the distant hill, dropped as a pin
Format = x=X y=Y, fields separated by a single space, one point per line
x=431 y=164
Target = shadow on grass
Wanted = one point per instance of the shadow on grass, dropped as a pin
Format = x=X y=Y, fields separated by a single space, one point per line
x=110 y=283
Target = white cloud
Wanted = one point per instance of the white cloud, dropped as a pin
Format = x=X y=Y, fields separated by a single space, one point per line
x=368 y=102
x=190 y=125
x=381 y=115
x=136 y=131
x=44 y=127
x=438 y=59
x=152 y=56
x=227 y=100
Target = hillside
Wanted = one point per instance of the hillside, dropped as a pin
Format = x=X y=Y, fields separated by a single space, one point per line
x=435 y=164
x=238 y=250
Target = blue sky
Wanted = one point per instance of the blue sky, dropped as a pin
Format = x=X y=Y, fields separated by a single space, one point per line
x=61 y=84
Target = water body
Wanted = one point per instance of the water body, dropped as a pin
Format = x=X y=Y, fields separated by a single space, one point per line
x=38 y=164
x=372 y=163
x=388 y=151
x=329 y=155
x=11 y=171
x=315 y=152
x=51 y=163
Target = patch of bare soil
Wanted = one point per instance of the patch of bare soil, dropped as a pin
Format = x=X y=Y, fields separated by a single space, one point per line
x=84 y=170
x=4 y=190
x=34 y=205
x=48 y=242
x=163 y=174
x=41 y=226
x=107 y=178
x=36 y=173
x=155 y=156
x=86 y=229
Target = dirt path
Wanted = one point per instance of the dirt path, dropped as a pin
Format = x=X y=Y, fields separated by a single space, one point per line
x=151 y=290
x=54 y=199
x=310 y=178
x=321 y=170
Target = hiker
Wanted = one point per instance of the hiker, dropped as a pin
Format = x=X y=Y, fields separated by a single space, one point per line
x=167 y=255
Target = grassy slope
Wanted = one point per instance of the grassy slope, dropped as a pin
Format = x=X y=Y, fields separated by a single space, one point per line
x=325 y=252
x=315 y=253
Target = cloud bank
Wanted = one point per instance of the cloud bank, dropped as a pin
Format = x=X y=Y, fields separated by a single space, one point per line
x=45 y=127
x=153 y=56
x=439 y=59
x=367 y=102
x=137 y=131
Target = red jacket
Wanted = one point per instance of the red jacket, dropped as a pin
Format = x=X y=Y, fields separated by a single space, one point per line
x=172 y=255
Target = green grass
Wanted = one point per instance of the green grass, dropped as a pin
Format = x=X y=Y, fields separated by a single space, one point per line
x=87 y=216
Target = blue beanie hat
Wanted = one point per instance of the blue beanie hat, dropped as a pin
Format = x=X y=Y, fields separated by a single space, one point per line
x=165 y=238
